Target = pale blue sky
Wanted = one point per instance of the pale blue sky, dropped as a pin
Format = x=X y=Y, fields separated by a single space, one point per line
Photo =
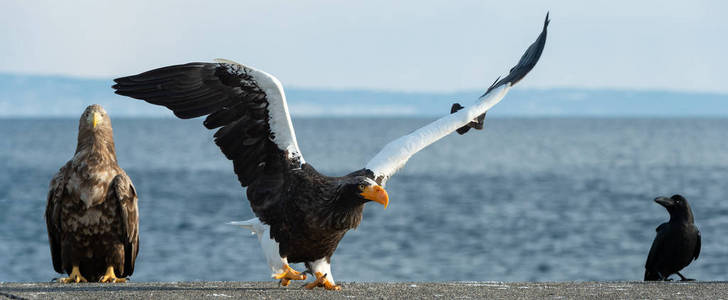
x=386 y=45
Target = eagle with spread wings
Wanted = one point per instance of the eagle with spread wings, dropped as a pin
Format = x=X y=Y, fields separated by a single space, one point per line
x=301 y=214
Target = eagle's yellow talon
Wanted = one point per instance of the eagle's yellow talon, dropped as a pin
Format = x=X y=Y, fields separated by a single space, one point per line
x=75 y=276
x=289 y=274
x=110 y=276
x=321 y=281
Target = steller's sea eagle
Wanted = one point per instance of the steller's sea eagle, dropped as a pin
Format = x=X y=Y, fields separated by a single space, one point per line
x=301 y=214
x=91 y=214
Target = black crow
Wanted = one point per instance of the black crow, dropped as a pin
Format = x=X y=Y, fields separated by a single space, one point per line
x=677 y=242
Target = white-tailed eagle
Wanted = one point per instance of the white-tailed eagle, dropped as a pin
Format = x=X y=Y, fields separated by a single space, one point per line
x=91 y=214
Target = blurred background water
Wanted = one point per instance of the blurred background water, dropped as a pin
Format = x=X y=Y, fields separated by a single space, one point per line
x=526 y=199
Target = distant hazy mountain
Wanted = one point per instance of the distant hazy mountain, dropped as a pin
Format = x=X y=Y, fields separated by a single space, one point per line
x=56 y=96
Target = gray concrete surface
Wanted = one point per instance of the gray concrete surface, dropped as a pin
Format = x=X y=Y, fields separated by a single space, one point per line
x=352 y=290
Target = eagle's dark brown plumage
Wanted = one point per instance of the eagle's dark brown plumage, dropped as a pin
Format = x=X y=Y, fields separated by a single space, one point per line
x=91 y=214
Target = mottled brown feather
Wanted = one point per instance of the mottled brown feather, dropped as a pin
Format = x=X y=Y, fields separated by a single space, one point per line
x=52 y=215
x=124 y=192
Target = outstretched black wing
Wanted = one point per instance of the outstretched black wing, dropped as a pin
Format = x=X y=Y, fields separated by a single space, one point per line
x=249 y=105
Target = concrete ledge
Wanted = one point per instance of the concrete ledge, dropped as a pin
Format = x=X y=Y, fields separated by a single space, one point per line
x=413 y=290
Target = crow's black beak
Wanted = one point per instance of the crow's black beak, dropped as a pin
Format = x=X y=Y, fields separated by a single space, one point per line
x=664 y=201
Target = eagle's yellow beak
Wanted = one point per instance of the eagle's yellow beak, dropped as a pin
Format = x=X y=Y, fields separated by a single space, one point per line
x=96 y=119
x=377 y=194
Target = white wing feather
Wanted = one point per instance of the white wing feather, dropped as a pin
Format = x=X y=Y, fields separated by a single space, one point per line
x=279 y=119
x=267 y=243
x=395 y=154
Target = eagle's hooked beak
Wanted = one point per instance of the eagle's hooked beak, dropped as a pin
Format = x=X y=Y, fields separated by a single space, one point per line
x=377 y=194
x=96 y=119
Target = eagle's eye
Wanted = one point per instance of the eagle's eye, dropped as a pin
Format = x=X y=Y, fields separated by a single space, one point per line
x=362 y=187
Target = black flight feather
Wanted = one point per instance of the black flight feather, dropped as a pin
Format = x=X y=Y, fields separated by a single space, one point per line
x=525 y=64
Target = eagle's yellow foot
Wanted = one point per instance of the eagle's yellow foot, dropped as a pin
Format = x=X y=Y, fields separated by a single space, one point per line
x=289 y=274
x=110 y=276
x=321 y=281
x=75 y=276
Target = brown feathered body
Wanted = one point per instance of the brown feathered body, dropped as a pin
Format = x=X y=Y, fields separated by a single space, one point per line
x=92 y=213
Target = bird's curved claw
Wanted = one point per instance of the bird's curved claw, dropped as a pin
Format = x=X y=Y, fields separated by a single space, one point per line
x=683 y=278
x=110 y=276
x=321 y=281
x=74 y=277
x=289 y=274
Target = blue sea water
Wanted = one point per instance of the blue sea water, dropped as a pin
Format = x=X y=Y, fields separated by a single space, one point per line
x=526 y=199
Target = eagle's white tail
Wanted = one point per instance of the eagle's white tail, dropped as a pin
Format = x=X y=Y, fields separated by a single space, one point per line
x=253 y=225
x=268 y=244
